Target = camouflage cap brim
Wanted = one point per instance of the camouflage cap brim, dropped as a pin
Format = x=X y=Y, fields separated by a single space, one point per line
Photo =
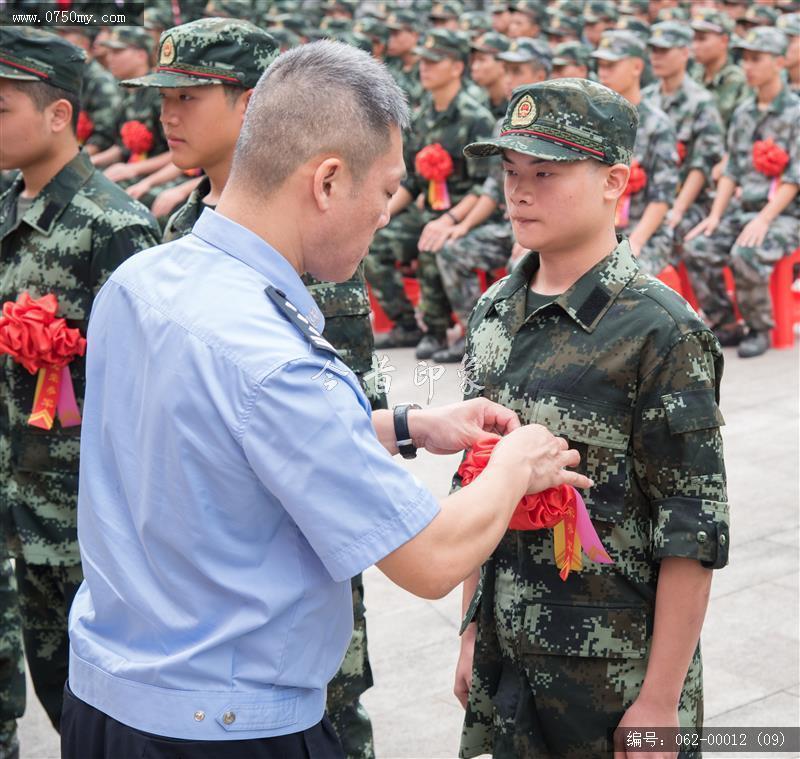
x=431 y=54
x=707 y=26
x=11 y=72
x=114 y=44
x=516 y=56
x=168 y=79
x=609 y=55
x=532 y=146
x=662 y=43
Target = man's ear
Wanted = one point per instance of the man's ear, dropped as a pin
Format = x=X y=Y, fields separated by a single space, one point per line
x=326 y=181
x=616 y=181
x=60 y=115
x=243 y=101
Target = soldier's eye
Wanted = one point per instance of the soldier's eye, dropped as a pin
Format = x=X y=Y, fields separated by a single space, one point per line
x=543 y=174
x=509 y=172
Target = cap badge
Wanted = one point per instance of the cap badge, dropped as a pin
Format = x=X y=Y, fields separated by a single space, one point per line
x=167 y=55
x=605 y=42
x=430 y=42
x=524 y=113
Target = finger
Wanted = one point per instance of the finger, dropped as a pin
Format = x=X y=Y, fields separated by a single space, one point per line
x=562 y=443
x=497 y=418
x=578 y=481
x=568 y=458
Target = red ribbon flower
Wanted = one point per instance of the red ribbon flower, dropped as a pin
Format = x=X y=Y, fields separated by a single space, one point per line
x=637 y=180
x=434 y=163
x=85 y=127
x=32 y=335
x=681 y=146
x=136 y=137
x=768 y=158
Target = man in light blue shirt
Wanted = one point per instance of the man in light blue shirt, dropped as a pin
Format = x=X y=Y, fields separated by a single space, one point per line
x=233 y=477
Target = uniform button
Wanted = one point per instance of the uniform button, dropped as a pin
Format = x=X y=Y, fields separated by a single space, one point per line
x=702 y=536
x=229 y=718
x=723 y=540
x=199 y=716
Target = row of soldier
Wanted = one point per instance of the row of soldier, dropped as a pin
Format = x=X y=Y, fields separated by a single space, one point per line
x=76 y=210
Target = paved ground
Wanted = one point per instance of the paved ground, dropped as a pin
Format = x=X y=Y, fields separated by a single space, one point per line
x=750 y=639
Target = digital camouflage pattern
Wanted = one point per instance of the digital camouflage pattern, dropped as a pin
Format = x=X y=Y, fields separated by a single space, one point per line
x=100 y=99
x=12 y=663
x=408 y=81
x=346 y=309
x=462 y=122
x=622 y=368
x=728 y=87
x=34 y=55
x=657 y=154
x=141 y=104
x=706 y=257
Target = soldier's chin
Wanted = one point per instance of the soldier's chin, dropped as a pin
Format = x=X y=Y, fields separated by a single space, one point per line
x=529 y=234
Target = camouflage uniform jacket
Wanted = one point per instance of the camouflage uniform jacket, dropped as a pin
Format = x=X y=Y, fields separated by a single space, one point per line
x=142 y=104
x=79 y=228
x=656 y=152
x=101 y=99
x=698 y=128
x=462 y=122
x=779 y=121
x=345 y=305
x=623 y=369
x=407 y=80
x=729 y=88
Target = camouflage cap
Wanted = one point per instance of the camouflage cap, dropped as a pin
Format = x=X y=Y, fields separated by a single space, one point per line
x=789 y=24
x=210 y=51
x=290 y=21
x=343 y=6
x=761 y=15
x=157 y=19
x=635 y=25
x=619 y=44
x=531 y=8
x=493 y=43
x=285 y=38
x=32 y=55
x=475 y=22
x=355 y=39
x=122 y=37
x=565 y=120
x=372 y=28
x=446 y=11
x=672 y=14
x=498 y=6
x=527 y=49
x=443 y=43
x=561 y=25
x=572 y=8
x=600 y=10
x=403 y=19
x=712 y=20
x=239 y=9
x=632 y=7
x=334 y=25
x=763 y=39
x=669 y=34
x=572 y=52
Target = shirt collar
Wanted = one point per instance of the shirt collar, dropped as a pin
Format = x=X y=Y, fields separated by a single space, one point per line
x=253 y=251
x=586 y=302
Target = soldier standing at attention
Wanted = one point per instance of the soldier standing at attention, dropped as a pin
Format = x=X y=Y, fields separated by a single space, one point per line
x=578 y=338
x=449 y=118
x=63 y=229
x=753 y=222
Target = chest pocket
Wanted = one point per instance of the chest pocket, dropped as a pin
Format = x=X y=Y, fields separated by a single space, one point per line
x=601 y=433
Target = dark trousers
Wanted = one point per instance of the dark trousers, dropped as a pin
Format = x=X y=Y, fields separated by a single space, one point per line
x=87 y=733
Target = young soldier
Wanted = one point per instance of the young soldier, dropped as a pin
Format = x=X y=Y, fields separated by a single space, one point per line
x=487 y=70
x=446 y=15
x=644 y=205
x=63 y=229
x=500 y=15
x=451 y=118
x=579 y=339
x=753 y=222
x=598 y=16
x=401 y=59
x=525 y=20
x=718 y=73
x=571 y=59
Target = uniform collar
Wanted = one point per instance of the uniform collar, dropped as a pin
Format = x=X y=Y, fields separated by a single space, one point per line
x=246 y=246
x=56 y=195
x=586 y=302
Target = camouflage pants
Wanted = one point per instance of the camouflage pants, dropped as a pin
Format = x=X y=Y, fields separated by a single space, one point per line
x=345 y=711
x=706 y=257
x=486 y=247
x=693 y=216
x=45 y=596
x=12 y=663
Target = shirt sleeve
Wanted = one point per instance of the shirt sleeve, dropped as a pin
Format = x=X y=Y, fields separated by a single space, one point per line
x=310 y=440
x=662 y=181
x=708 y=140
x=678 y=452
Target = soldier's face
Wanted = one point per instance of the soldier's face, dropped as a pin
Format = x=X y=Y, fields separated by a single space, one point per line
x=201 y=124
x=761 y=68
x=500 y=21
x=126 y=63
x=401 y=41
x=486 y=70
x=570 y=70
x=437 y=74
x=668 y=61
x=709 y=46
x=517 y=74
x=25 y=135
x=593 y=32
x=793 y=58
x=522 y=25
x=620 y=76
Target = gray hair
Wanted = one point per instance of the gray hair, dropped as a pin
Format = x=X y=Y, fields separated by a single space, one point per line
x=324 y=97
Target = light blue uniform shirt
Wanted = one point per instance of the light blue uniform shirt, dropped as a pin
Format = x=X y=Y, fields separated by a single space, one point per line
x=229 y=489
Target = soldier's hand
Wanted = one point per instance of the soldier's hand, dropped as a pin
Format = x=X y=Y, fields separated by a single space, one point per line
x=643 y=714
x=434 y=234
x=754 y=233
x=706 y=227
x=139 y=189
x=119 y=172
x=544 y=456
x=464 y=666
x=674 y=216
x=167 y=199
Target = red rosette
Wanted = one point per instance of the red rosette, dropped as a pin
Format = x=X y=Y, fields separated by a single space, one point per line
x=32 y=335
x=768 y=158
x=136 y=137
x=85 y=127
x=681 y=147
x=534 y=512
x=637 y=180
x=434 y=163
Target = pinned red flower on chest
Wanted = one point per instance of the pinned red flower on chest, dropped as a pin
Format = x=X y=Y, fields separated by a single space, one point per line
x=771 y=160
x=435 y=164
x=137 y=138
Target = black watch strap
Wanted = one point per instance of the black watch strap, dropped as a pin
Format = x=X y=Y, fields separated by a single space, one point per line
x=404 y=442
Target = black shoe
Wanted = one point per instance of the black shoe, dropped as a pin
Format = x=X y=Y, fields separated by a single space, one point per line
x=755 y=344
x=398 y=337
x=429 y=345
x=452 y=355
x=729 y=335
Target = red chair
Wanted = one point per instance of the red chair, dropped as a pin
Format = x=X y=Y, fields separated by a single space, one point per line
x=380 y=322
x=785 y=300
x=488 y=278
x=672 y=279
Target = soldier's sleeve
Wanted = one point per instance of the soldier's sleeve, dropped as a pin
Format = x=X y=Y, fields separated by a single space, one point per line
x=737 y=133
x=677 y=451
x=103 y=105
x=792 y=172
x=708 y=140
x=114 y=248
x=478 y=169
x=662 y=182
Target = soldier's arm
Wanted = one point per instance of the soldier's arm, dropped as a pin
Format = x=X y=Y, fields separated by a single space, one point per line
x=107 y=156
x=651 y=220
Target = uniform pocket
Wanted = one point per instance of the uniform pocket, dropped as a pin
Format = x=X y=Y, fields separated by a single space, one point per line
x=45 y=451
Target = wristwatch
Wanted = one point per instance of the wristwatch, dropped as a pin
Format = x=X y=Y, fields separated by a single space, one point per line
x=404 y=442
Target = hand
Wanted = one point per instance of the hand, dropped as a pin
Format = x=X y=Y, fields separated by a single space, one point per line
x=705 y=227
x=647 y=714
x=455 y=427
x=535 y=449
x=136 y=191
x=166 y=201
x=753 y=234
x=716 y=171
x=119 y=172
x=434 y=234
x=463 y=681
